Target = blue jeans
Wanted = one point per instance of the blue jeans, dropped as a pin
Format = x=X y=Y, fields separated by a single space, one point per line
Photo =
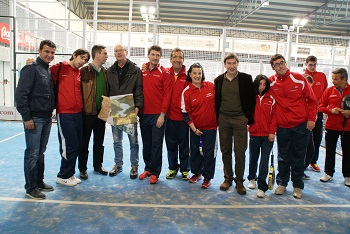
x=118 y=146
x=259 y=144
x=36 y=141
x=292 y=144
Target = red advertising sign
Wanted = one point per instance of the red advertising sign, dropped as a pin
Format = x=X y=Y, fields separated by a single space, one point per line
x=26 y=40
x=4 y=33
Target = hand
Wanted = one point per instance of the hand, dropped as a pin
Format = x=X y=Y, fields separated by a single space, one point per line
x=29 y=124
x=310 y=125
x=198 y=132
x=345 y=113
x=336 y=110
x=144 y=68
x=271 y=137
x=136 y=110
x=160 y=121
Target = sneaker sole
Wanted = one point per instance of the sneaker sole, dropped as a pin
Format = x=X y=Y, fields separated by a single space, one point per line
x=46 y=190
x=66 y=184
x=36 y=198
x=325 y=181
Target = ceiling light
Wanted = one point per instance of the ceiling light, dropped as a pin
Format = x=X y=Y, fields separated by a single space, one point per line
x=265 y=4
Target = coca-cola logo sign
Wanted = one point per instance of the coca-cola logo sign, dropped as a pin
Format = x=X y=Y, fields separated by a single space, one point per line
x=4 y=33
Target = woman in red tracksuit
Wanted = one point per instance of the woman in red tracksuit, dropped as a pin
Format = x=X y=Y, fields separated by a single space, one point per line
x=198 y=108
x=262 y=135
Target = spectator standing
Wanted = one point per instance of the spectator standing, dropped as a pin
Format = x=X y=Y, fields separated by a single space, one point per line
x=93 y=86
x=35 y=101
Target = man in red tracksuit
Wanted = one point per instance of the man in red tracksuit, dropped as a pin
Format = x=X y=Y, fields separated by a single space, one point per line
x=337 y=124
x=157 y=88
x=319 y=86
x=176 y=130
x=296 y=109
x=69 y=114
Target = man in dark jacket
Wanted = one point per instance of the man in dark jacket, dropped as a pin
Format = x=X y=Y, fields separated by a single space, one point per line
x=234 y=104
x=124 y=77
x=93 y=85
x=35 y=102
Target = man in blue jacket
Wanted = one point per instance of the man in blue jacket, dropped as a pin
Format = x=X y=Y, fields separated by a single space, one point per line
x=35 y=102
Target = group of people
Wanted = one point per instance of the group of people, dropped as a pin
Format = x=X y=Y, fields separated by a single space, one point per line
x=181 y=106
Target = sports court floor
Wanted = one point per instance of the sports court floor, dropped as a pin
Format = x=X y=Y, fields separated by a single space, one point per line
x=104 y=204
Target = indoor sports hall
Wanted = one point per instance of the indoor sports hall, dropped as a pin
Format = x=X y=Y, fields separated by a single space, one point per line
x=205 y=30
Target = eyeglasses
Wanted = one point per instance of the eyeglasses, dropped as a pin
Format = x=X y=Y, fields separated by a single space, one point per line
x=120 y=50
x=312 y=65
x=279 y=64
x=179 y=57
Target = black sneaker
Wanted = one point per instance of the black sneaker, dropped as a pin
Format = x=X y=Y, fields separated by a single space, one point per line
x=133 y=172
x=36 y=194
x=83 y=175
x=45 y=187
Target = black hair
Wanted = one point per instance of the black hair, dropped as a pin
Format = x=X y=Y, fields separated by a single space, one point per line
x=48 y=43
x=195 y=65
x=256 y=84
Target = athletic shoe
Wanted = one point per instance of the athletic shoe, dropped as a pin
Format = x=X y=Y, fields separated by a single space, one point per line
x=153 y=179
x=315 y=167
x=185 y=175
x=252 y=184
x=195 y=178
x=45 y=187
x=206 y=184
x=133 y=172
x=115 y=170
x=280 y=190
x=306 y=177
x=326 y=178
x=260 y=194
x=144 y=175
x=347 y=181
x=68 y=182
x=172 y=173
x=76 y=179
x=297 y=193
x=36 y=194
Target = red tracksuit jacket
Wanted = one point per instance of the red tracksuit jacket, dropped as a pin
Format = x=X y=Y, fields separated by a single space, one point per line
x=157 y=88
x=332 y=98
x=295 y=101
x=264 y=116
x=174 y=110
x=320 y=83
x=199 y=104
x=70 y=100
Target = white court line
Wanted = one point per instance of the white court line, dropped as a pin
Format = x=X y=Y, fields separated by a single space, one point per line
x=61 y=202
x=11 y=137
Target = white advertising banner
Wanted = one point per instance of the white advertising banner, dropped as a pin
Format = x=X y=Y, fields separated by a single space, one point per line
x=9 y=113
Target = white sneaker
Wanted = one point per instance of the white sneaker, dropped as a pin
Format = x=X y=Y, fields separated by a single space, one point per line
x=67 y=182
x=252 y=184
x=347 y=181
x=326 y=178
x=260 y=194
x=77 y=179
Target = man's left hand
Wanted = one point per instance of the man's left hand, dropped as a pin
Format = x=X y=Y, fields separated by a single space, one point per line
x=310 y=125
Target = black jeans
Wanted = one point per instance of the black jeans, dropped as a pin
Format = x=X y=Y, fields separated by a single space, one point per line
x=91 y=123
x=332 y=137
